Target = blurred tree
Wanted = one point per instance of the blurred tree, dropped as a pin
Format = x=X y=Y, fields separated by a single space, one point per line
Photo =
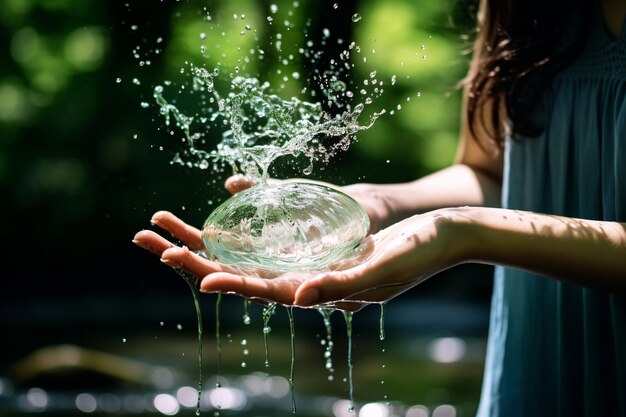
x=83 y=164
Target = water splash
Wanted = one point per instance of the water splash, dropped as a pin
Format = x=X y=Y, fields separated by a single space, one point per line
x=261 y=126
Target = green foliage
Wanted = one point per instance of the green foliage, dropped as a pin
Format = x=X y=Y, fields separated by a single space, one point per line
x=74 y=135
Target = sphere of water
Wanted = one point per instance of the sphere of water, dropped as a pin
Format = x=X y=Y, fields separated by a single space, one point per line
x=285 y=227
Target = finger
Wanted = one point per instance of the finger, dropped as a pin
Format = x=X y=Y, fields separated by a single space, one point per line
x=187 y=234
x=152 y=242
x=237 y=183
x=278 y=291
x=193 y=263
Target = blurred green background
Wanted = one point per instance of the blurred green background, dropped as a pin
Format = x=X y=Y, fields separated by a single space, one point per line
x=83 y=166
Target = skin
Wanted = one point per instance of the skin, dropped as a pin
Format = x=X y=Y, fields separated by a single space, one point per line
x=415 y=238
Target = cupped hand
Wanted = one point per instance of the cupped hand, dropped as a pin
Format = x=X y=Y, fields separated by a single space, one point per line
x=190 y=257
x=386 y=265
x=400 y=257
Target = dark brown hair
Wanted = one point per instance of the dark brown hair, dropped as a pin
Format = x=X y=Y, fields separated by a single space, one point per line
x=520 y=45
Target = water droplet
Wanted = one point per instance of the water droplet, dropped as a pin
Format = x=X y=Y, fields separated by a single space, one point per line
x=203 y=36
x=270 y=19
x=356 y=17
x=124 y=340
x=247 y=27
x=393 y=79
x=136 y=81
x=335 y=6
x=118 y=80
x=161 y=323
x=273 y=8
x=134 y=27
x=243 y=364
x=144 y=105
x=326 y=32
x=159 y=40
x=267 y=329
x=372 y=74
x=179 y=326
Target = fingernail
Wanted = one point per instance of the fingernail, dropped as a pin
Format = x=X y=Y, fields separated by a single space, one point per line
x=308 y=297
x=142 y=245
x=170 y=262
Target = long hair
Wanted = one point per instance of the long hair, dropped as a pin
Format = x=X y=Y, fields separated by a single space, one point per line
x=519 y=46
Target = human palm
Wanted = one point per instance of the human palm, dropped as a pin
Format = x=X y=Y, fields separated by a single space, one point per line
x=386 y=264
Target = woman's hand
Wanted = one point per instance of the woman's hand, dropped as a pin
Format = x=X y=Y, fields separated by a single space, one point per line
x=280 y=289
x=386 y=264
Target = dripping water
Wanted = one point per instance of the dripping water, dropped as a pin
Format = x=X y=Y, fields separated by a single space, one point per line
x=246 y=311
x=328 y=342
x=218 y=342
x=193 y=282
x=348 y=316
x=268 y=311
x=381 y=335
x=293 y=358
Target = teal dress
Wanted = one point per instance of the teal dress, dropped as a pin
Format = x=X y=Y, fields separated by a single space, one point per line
x=557 y=349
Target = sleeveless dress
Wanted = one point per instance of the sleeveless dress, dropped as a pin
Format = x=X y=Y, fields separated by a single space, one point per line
x=557 y=349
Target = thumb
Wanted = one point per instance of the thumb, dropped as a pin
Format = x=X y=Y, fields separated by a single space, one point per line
x=237 y=183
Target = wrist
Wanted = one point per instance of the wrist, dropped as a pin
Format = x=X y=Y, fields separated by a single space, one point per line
x=460 y=229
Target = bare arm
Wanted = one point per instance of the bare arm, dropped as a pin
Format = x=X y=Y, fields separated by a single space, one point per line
x=475 y=179
x=584 y=252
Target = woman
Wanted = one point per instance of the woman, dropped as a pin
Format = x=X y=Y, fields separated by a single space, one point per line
x=544 y=132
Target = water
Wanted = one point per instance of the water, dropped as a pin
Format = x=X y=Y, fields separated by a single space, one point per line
x=218 y=341
x=285 y=227
x=348 y=317
x=268 y=311
x=246 y=313
x=381 y=334
x=328 y=342
x=193 y=284
x=291 y=226
x=292 y=334
x=261 y=127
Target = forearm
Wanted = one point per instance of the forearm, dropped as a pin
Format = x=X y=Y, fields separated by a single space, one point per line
x=458 y=185
x=584 y=252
